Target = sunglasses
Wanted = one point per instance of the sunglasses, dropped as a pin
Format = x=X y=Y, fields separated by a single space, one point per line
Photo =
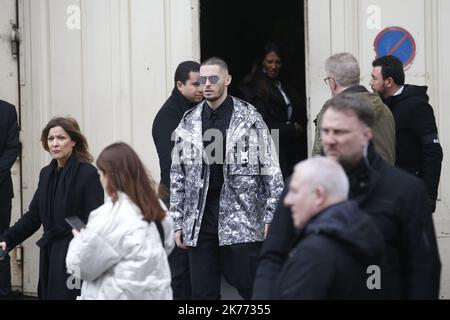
x=212 y=79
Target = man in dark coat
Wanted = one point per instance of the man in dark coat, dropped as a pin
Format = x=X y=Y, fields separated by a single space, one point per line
x=186 y=94
x=9 y=150
x=337 y=242
x=418 y=149
x=395 y=200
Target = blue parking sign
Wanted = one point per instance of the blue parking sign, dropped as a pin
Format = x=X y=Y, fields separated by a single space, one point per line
x=397 y=42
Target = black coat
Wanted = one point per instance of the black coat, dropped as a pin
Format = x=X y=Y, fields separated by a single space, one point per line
x=9 y=148
x=332 y=256
x=165 y=123
x=273 y=108
x=397 y=201
x=78 y=193
x=418 y=149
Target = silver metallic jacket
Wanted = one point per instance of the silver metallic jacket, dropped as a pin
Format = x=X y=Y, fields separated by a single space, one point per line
x=252 y=177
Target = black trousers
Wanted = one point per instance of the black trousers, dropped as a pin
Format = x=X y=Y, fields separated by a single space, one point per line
x=181 y=277
x=179 y=264
x=5 y=266
x=209 y=261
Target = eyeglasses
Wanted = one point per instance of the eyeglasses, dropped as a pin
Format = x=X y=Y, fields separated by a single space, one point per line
x=327 y=80
x=212 y=79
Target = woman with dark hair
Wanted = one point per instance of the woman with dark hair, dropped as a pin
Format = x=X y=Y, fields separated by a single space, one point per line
x=267 y=88
x=122 y=252
x=68 y=186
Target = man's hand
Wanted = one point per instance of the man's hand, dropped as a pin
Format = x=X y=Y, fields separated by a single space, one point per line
x=178 y=240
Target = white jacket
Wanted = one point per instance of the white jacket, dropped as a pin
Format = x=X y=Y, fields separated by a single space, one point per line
x=119 y=255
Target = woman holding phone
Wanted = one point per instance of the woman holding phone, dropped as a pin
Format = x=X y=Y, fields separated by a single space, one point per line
x=122 y=252
x=68 y=186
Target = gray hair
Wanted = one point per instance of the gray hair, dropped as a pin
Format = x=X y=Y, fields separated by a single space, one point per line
x=215 y=61
x=325 y=172
x=344 y=68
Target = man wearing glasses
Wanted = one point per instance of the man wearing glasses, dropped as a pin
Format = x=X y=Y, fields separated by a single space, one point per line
x=225 y=184
x=343 y=75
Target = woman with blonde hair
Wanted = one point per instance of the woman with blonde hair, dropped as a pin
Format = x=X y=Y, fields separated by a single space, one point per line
x=122 y=252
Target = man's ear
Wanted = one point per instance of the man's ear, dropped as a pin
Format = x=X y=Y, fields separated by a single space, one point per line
x=180 y=85
x=228 y=79
x=389 y=82
x=334 y=84
x=321 y=196
x=367 y=135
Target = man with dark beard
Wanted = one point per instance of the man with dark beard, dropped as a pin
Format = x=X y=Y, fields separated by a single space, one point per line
x=418 y=149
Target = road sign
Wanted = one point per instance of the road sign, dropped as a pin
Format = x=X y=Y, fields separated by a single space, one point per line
x=397 y=42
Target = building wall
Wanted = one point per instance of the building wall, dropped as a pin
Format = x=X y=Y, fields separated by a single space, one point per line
x=109 y=64
x=349 y=26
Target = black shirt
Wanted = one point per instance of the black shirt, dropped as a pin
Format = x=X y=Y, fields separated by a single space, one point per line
x=218 y=119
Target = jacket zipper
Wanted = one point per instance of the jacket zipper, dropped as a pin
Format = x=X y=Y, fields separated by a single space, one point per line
x=200 y=198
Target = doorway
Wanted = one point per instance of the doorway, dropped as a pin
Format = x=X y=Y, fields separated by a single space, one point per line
x=235 y=31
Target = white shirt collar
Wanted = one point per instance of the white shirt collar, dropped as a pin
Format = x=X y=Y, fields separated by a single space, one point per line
x=399 y=92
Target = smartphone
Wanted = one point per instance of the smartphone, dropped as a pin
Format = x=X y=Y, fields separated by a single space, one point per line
x=75 y=223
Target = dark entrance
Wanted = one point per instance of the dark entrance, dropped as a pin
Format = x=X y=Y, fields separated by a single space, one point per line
x=235 y=30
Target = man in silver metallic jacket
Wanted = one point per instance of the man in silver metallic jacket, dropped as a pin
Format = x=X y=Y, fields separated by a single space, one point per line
x=225 y=183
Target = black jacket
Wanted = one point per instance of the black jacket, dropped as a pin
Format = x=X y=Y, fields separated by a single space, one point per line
x=165 y=123
x=397 y=202
x=9 y=148
x=273 y=108
x=418 y=149
x=332 y=256
x=77 y=193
